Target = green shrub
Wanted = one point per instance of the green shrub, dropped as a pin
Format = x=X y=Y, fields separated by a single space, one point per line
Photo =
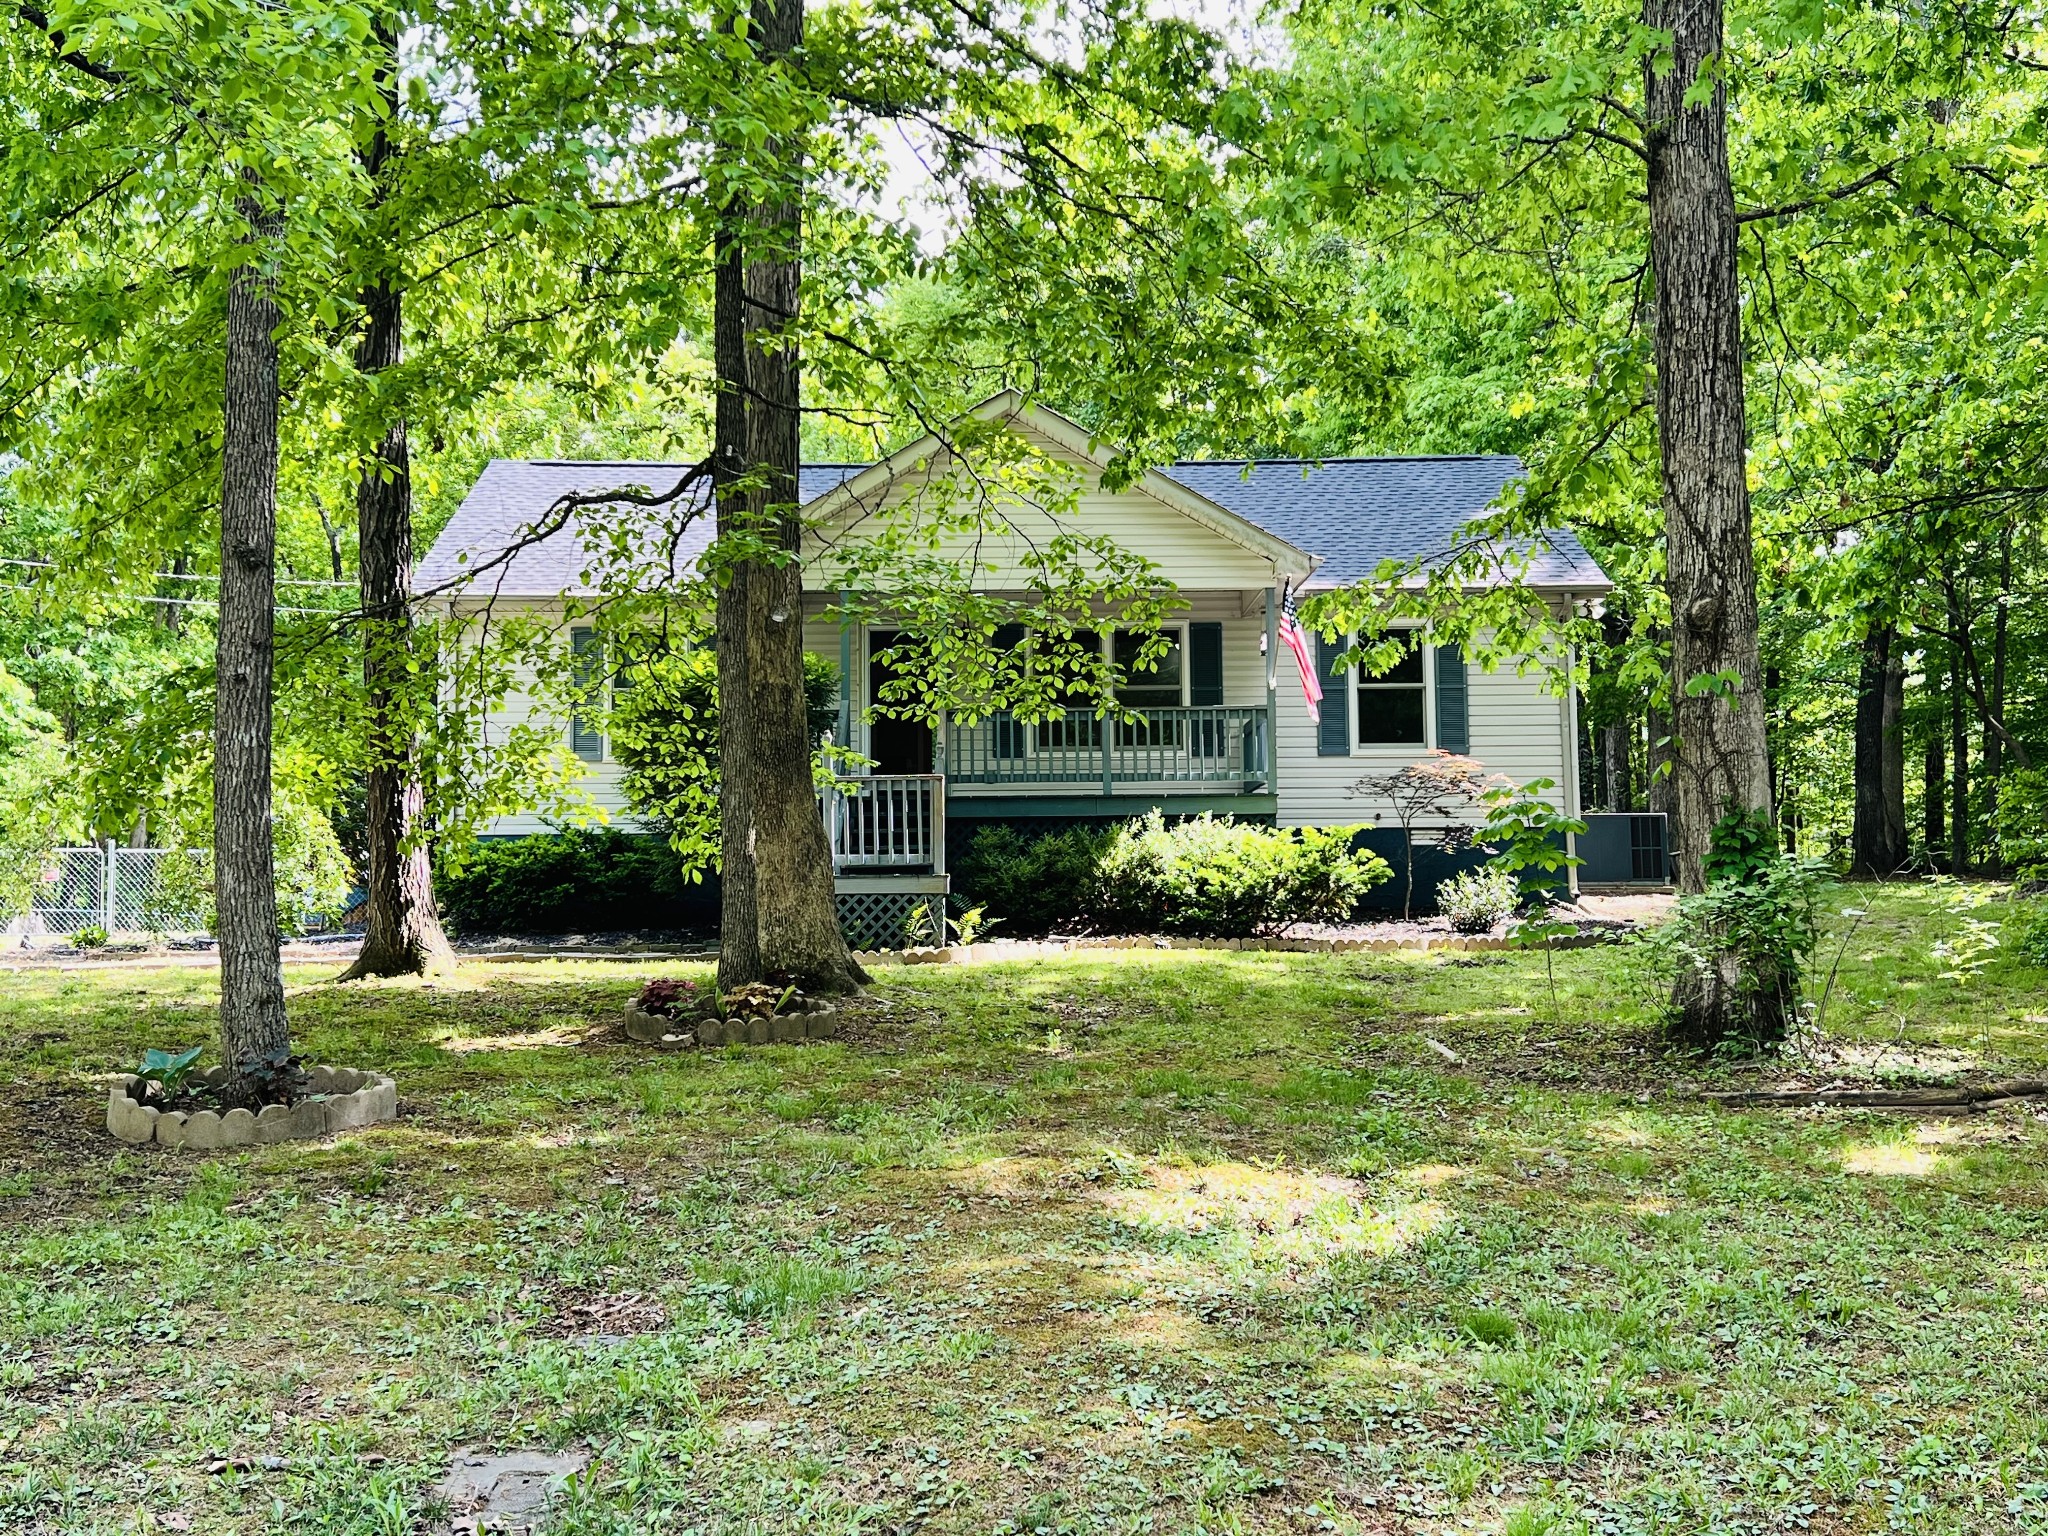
x=1209 y=875
x=1215 y=876
x=2029 y=942
x=571 y=880
x=1034 y=884
x=1478 y=899
x=2023 y=823
x=1736 y=955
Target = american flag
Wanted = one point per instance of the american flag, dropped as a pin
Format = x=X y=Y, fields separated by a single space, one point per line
x=1296 y=640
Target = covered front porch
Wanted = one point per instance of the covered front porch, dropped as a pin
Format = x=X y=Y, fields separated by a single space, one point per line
x=1191 y=729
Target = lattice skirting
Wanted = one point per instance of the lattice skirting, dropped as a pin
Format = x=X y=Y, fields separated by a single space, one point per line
x=876 y=919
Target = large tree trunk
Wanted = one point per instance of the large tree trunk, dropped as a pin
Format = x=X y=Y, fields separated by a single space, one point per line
x=1723 y=762
x=1878 y=835
x=778 y=917
x=402 y=933
x=253 y=1029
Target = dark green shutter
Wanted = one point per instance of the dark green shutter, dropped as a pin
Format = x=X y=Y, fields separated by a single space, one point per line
x=1205 y=665
x=585 y=741
x=1453 y=709
x=1333 y=736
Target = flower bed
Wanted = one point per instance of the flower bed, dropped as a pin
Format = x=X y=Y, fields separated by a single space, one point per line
x=336 y=1099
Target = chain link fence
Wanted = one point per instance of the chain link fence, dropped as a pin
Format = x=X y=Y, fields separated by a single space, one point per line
x=124 y=890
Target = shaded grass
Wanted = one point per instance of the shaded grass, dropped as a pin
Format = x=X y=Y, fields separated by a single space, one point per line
x=1174 y=1242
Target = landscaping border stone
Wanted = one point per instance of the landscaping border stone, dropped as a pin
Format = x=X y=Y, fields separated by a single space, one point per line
x=990 y=951
x=818 y=1021
x=337 y=1099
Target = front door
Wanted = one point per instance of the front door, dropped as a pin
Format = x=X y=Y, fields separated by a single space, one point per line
x=897 y=746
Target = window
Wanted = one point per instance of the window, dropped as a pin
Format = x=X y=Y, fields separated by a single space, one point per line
x=1078 y=729
x=1156 y=687
x=586 y=739
x=1161 y=685
x=1142 y=688
x=1392 y=709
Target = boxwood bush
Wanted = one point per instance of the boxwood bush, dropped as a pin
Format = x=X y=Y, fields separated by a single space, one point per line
x=1209 y=875
x=1032 y=884
x=572 y=881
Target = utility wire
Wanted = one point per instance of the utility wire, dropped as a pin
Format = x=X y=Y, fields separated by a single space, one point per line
x=282 y=581
x=172 y=602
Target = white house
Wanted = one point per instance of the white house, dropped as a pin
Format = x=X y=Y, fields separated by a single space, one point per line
x=1226 y=725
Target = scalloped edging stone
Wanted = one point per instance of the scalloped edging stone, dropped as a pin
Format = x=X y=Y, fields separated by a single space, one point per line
x=338 y=1099
x=992 y=950
x=819 y=1021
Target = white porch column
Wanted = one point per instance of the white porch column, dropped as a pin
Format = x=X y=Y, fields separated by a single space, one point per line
x=1273 y=697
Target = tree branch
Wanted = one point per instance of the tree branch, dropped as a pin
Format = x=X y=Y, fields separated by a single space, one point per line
x=1786 y=210
x=38 y=18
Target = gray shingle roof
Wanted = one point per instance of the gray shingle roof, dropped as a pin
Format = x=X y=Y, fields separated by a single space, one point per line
x=1354 y=513
x=512 y=496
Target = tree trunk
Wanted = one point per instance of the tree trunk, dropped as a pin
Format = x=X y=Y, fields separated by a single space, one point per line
x=254 y=1032
x=1894 y=766
x=1616 y=737
x=1659 y=795
x=1723 y=761
x=1934 y=787
x=1878 y=835
x=1959 y=746
x=1614 y=754
x=778 y=915
x=1783 y=791
x=402 y=933
x=1592 y=765
x=1994 y=740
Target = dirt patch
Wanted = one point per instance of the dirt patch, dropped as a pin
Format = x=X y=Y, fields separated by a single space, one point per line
x=1593 y=917
x=507 y=1495
x=605 y=1316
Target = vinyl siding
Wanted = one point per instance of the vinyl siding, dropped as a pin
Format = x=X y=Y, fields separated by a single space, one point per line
x=1517 y=731
x=1188 y=554
x=597 y=780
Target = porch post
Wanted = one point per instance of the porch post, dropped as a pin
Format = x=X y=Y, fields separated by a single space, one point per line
x=1272 y=735
x=845 y=677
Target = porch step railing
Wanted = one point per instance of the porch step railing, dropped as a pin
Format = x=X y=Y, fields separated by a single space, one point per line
x=887 y=821
x=1165 y=746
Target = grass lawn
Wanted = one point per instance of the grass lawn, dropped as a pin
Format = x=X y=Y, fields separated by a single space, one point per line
x=1169 y=1242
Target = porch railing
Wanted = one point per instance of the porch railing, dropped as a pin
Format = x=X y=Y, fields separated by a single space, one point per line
x=1166 y=746
x=887 y=821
